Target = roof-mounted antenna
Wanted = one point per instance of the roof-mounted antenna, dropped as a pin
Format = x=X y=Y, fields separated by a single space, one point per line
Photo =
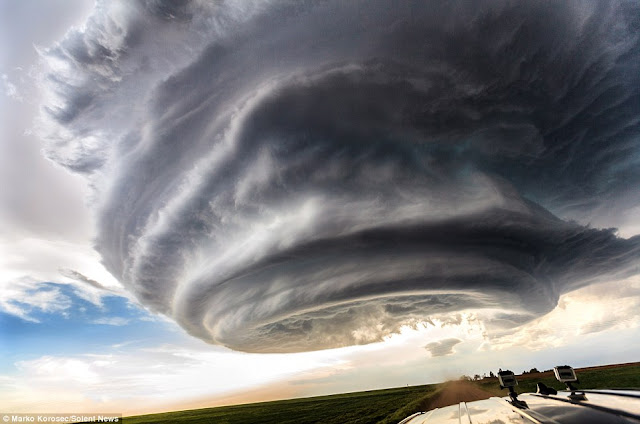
x=565 y=374
x=508 y=380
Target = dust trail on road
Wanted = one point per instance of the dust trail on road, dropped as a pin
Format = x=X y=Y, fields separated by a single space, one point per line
x=454 y=392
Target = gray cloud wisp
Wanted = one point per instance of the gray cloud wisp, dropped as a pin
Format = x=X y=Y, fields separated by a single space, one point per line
x=442 y=347
x=289 y=177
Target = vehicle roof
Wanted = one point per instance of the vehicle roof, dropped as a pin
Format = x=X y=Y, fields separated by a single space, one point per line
x=600 y=406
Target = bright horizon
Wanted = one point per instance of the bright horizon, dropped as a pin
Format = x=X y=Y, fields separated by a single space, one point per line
x=206 y=205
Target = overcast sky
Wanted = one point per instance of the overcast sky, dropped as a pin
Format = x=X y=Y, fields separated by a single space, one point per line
x=252 y=200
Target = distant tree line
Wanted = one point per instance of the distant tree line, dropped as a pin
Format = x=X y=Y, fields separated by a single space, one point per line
x=478 y=377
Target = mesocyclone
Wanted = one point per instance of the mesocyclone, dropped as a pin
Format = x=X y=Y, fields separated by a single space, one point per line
x=283 y=177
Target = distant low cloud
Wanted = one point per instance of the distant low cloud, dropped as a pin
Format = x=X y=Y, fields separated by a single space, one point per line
x=115 y=321
x=285 y=177
x=442 y=347
x=26 y=298
x=77 y=276
x=110 y=379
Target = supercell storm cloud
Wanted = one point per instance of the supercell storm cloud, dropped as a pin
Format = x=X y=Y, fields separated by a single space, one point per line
x=292 y=176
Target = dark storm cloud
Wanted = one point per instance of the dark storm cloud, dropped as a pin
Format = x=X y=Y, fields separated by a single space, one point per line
x=442 y=347
x=306 y=176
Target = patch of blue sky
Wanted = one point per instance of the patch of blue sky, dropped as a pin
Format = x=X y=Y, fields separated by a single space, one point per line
x=81 y=328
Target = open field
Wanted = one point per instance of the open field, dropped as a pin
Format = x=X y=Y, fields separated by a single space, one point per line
x=385 y=406
x=379 y=406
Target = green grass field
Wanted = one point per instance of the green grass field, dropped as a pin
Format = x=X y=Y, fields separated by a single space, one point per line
x=378 y=406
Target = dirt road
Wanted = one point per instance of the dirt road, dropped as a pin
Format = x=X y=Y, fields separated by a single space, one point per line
x=455 y=392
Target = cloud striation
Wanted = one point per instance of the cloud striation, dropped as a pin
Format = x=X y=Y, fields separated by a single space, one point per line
x=283 y=177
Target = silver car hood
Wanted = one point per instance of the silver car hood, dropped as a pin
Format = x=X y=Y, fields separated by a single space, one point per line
x=600 y=406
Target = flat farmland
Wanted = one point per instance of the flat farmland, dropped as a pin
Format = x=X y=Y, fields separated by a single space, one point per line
x=386 y=406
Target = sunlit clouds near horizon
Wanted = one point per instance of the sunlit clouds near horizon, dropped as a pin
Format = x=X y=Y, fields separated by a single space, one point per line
x=162 y=369
x=311 y=190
